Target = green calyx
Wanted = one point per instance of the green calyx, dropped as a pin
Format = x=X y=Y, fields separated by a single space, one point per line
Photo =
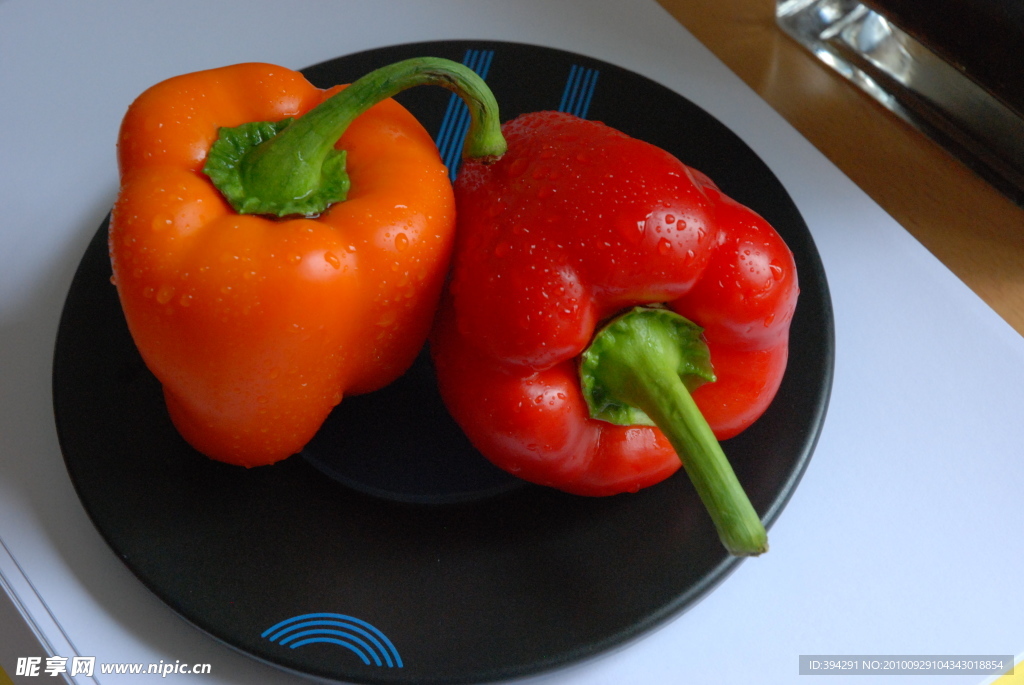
x=640 y=370
x=291 y=167
x=227 y=166
x=674 y=342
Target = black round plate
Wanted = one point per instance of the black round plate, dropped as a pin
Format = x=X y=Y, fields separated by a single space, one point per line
x=398 y=574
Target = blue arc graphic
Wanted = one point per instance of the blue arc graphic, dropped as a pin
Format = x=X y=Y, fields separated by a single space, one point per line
x=356 y=635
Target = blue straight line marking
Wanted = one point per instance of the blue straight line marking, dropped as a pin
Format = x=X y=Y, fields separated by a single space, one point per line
x=481 y=64
x=453 y=113
x=591 y=87
x=456 y=119
x=579 y=91
x=581 y=84
x=446 y=123
x=568 y=89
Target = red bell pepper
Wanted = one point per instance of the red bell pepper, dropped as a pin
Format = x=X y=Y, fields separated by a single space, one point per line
x=579 y=225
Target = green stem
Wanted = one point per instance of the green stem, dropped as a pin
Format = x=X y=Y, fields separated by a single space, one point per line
x=292 y=167
x=643 y=361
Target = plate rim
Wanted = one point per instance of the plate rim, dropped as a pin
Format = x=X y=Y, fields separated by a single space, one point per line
x=680 y=603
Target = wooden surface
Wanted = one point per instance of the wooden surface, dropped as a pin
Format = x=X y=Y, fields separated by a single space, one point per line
x=973 y=229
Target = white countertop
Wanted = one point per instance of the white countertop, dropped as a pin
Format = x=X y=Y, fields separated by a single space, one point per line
x=900 y=537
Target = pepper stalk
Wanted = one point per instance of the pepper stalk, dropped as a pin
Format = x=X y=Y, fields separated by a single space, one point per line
x=291 y=167
x=640 y=369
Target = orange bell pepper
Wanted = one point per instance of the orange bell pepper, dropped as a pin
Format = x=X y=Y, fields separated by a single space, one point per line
x=298 y=261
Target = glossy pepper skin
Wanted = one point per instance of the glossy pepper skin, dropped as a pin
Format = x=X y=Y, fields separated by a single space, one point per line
x=577 y=223
x=257 y=327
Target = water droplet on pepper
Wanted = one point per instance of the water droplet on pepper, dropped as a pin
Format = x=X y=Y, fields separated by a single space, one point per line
x=517 y=167
x=164 y=295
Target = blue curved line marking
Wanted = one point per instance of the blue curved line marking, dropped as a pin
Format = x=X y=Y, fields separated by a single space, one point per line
x=339 y=624
x=380 y=646
x=456 y=117
x=331 y=640
x=357 y=645
x=309 y=624
x=375 y=635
